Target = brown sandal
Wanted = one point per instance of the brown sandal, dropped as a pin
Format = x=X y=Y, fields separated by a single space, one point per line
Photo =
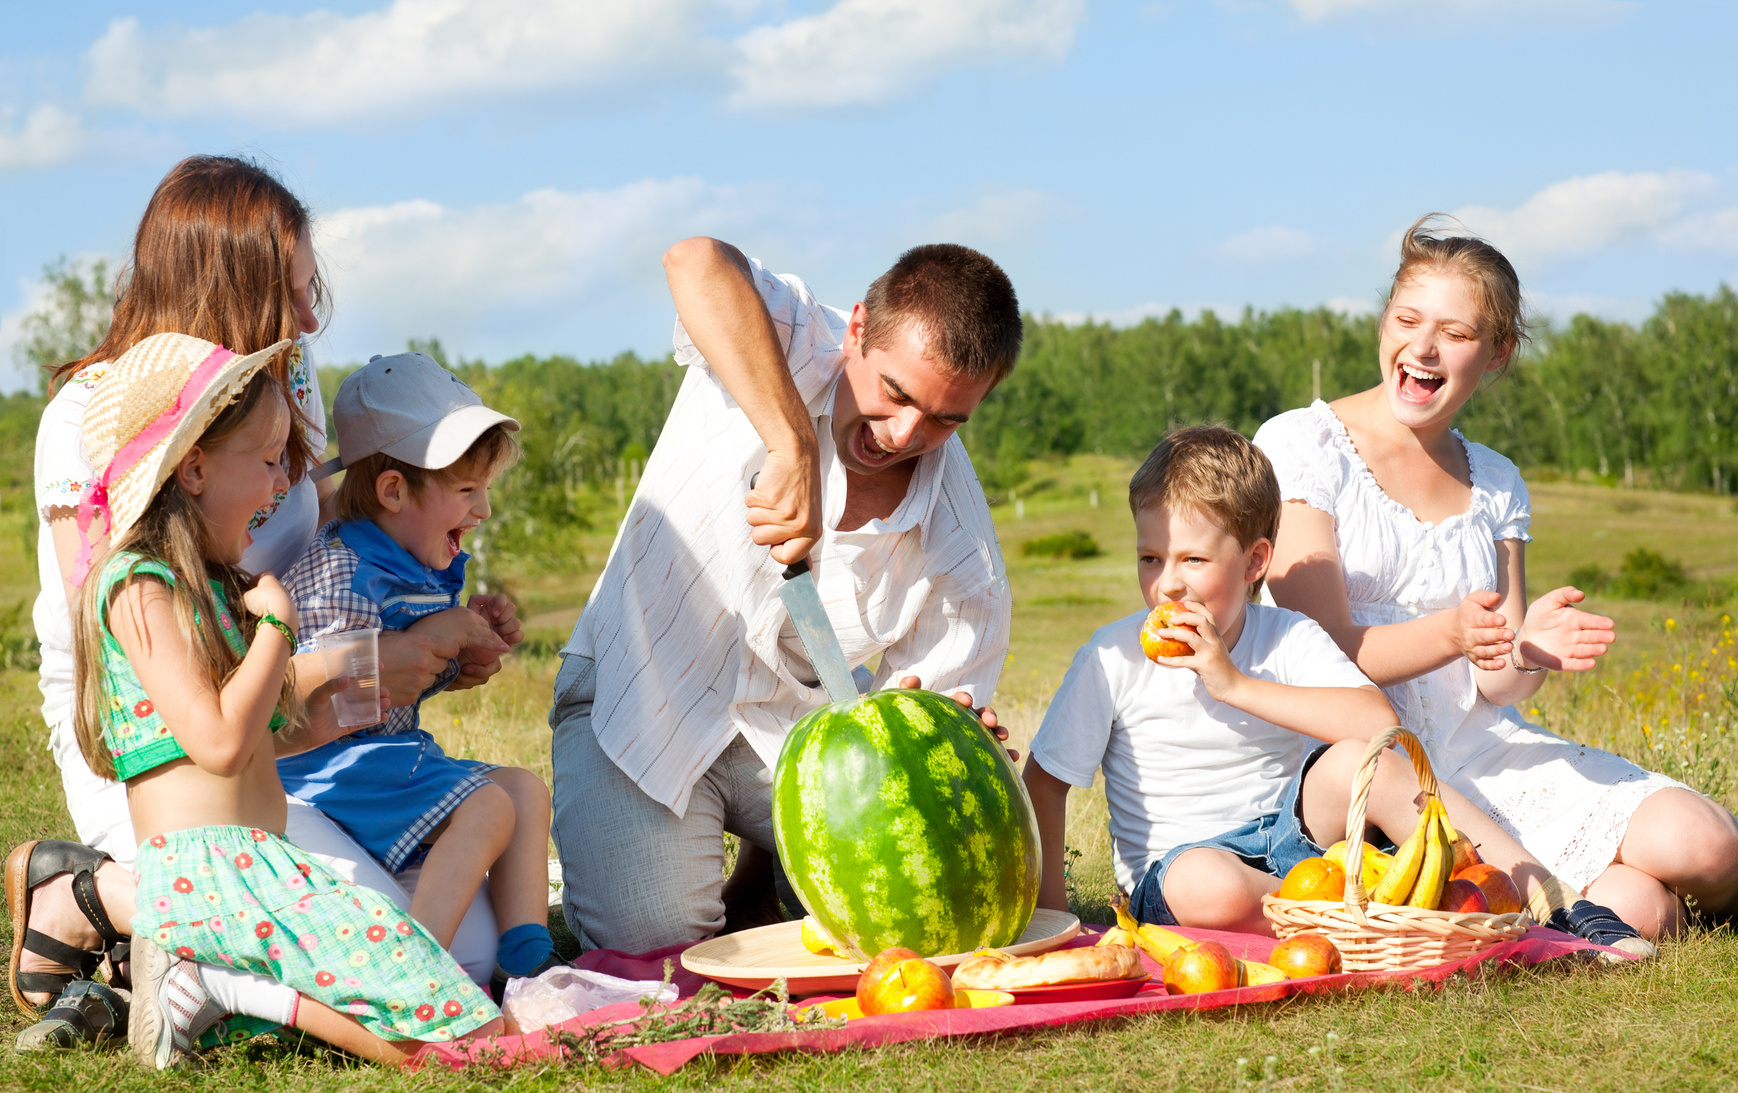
x=29 y=865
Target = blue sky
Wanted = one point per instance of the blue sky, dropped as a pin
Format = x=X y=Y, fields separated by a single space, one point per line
x=503 y=174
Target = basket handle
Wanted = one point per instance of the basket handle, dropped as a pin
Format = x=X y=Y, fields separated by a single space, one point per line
x=1356 y=898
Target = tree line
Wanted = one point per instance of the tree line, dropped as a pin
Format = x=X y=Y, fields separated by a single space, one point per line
x=1649 y=404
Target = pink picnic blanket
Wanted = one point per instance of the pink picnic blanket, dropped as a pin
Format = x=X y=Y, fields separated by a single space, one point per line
x=1536 y=946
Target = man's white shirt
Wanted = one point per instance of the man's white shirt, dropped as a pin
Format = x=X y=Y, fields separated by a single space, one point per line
x=684 y=624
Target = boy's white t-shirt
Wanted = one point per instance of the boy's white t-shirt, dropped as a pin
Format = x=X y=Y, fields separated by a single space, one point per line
x=280 y=536
x=1179 y=766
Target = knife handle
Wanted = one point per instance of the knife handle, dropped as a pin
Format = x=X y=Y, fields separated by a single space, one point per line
x=797 y=568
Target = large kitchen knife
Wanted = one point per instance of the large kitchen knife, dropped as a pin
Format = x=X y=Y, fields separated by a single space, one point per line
x=803 y=600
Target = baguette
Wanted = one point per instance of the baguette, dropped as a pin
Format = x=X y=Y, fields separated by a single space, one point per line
x=994 y=970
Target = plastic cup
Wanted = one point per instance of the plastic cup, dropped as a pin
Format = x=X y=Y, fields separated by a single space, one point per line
x=354 y=655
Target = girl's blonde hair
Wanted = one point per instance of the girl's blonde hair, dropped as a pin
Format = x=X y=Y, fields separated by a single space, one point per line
x=174 y=532
x=212 y=259
x=1432 y=245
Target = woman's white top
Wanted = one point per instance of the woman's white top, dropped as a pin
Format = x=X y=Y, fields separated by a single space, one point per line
x=1567 y=803
x=281 y=532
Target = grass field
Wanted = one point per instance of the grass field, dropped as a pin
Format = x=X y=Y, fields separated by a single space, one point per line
x=1667 y=697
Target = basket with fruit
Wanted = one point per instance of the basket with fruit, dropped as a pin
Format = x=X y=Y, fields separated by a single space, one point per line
x=1402 y=912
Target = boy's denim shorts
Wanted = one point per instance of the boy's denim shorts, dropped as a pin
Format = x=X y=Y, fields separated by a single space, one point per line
x=1272 y=844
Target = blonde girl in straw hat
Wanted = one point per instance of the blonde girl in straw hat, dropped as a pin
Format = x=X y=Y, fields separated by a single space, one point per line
x=182 y=669
x=223 y=252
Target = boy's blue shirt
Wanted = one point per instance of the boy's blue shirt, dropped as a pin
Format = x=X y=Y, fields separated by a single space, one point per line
x=389 y=785
x=390 y=577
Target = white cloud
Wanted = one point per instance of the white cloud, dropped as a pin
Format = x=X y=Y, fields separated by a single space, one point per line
x=1593 y=213
x=416 y=266
x=495 y=272
x=865 y=52
x=1353 y=305
x=1556 y=12
x=407 y=58
x=418 y=56
x=1140 y=313
x=1269 y=245
x=49 y=136
x=999 y=217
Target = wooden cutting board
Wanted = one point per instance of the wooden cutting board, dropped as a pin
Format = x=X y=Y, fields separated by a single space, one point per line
x=754 y=958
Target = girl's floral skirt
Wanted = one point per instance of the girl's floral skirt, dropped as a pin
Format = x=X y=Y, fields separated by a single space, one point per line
x=248 y=899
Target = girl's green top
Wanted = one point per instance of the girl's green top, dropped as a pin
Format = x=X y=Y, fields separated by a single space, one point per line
x=132 y=728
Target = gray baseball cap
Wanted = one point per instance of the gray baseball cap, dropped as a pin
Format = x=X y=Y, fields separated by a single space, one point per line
x=410 y=408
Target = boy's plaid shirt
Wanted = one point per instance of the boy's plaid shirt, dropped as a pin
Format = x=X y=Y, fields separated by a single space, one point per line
x=320 y=584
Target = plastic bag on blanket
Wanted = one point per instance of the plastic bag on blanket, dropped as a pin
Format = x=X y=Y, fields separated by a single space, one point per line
x=562 y=993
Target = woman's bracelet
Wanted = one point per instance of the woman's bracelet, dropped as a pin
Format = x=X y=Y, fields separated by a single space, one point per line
x=1515 y=659
x=283 y=628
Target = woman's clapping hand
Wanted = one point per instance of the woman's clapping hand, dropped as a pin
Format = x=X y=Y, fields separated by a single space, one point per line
x=1481 y=633
x=1561 y=636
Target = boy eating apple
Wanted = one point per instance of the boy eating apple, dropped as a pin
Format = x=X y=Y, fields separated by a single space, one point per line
x=1217 y=763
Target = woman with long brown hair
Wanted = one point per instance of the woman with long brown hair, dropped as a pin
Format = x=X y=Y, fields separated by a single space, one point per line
x=224 y=252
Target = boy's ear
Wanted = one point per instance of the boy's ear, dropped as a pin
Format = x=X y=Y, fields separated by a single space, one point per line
x=1260 y=557
x=192 y=472
x=392 y=491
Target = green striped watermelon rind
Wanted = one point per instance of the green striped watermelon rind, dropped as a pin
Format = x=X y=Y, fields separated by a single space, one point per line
x=936 y=851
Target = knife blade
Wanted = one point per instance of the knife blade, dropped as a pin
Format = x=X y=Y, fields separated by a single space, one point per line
x=803 y=600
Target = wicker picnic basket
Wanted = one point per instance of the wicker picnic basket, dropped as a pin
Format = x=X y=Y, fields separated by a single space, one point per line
x=1381 y=937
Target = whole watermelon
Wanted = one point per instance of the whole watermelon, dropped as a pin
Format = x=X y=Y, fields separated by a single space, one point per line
x=901 y=821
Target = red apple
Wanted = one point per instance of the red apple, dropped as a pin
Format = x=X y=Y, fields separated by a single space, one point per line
x=1463 y=896
x=1305 y=955
x=912 y=984
x=1201 y=967
x=1159 y=619
x=1466 y=855
x=1501 y=895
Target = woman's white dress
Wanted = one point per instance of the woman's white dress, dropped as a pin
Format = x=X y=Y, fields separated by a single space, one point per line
x=1567 y=803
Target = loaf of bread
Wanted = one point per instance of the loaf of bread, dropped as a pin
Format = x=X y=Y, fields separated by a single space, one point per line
x=994 y=970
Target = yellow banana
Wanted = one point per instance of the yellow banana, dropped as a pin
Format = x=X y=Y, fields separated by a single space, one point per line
x=1253 y=973
x=1398 y=881
x=1438 y=859
x=1448 y=830
x=1376 y=862
x=1116 y=935
x=1124 y=920
x=1159 y=942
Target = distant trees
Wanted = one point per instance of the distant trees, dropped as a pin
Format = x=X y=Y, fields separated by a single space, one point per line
x=69 y=320
x=1658 y=403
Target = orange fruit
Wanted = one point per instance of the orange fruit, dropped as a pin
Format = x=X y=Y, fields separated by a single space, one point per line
x=1314 y=878
x=1159 y=619
x=1501 y=895
x=1305 y=955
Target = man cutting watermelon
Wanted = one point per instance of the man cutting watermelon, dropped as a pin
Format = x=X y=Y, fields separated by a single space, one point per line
x=800 y=431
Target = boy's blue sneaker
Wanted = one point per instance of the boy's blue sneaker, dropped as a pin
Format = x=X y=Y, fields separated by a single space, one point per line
x=1591 y=922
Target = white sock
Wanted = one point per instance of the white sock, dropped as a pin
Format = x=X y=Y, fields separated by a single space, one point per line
x=249 y=995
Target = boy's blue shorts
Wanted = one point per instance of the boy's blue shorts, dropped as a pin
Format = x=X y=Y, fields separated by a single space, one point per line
x=1272 y=844
x=387 y=791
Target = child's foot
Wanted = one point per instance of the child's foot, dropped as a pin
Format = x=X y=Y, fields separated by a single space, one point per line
x=87 y=1012
x=1591 y=922
x=498 y=980
x=170 y=1008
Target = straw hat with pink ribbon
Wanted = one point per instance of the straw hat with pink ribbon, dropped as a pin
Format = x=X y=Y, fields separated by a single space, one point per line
x=150 y=408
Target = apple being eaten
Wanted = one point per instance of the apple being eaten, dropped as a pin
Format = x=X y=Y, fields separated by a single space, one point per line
x=1160 y=619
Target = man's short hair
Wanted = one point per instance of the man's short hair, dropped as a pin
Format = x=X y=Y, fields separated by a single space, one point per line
x=961 y=300
x=494 y=450
x=1217 y=472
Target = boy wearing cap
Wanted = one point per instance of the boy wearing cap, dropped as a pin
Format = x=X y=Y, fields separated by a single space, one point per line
x=420 y=450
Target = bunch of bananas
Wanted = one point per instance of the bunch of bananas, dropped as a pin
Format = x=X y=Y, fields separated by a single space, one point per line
x=1159 y=943
x=1422 y=866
